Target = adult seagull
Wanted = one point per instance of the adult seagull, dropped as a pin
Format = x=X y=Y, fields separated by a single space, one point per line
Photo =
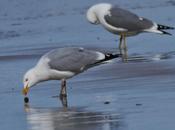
x=62 y=64
x=122 y=22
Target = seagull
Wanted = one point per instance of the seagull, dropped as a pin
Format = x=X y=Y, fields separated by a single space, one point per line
x=122 y=22
x=62 y=64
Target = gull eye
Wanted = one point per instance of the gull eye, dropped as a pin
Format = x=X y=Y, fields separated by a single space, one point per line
x=26 y=80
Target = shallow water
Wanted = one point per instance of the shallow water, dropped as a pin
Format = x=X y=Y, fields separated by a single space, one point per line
x=137 y=95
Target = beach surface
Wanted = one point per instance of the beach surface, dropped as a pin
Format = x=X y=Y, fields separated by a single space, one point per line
x=137 y=95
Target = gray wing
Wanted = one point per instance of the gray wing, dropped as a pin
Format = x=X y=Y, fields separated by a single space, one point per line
x=125 y=19
x=71 y=59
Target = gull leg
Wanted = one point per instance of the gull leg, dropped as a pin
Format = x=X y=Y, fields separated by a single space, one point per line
x=63 y=93
x=64 y=102
x=125 y=48
x=120 y=44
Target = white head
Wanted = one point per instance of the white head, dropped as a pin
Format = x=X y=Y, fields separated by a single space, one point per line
x=30 y=79
x=93 y=13
x=92 y=16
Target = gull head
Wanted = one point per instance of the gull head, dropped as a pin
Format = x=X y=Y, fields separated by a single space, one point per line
x=30 y=79
x=92 y=16
x=96 y=12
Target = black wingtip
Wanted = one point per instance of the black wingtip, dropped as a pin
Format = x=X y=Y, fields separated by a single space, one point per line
x=164 y=27
x=164 y=32
x=109 y=56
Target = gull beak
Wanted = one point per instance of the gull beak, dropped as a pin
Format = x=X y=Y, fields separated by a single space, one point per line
x=25 y=90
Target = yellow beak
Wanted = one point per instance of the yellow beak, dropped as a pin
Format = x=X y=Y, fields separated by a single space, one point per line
x=25 y=90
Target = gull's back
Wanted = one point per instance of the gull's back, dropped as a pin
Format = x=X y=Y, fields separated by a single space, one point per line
x=71 y=59
x=125 y=19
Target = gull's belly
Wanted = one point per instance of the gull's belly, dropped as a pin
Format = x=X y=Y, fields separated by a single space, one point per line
x=58 y=75
x=120 y=32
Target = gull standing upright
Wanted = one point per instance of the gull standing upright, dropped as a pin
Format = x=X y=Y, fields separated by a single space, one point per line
x=62 y=64
x=122 y=22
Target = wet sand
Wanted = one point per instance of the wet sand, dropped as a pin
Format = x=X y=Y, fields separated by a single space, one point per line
x=137 y=95
x=111 y=96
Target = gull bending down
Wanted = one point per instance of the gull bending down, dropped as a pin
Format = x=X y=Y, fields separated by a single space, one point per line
x=62 y=64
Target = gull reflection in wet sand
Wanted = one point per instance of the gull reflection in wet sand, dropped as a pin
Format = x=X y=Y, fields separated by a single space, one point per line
x=72 y=118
